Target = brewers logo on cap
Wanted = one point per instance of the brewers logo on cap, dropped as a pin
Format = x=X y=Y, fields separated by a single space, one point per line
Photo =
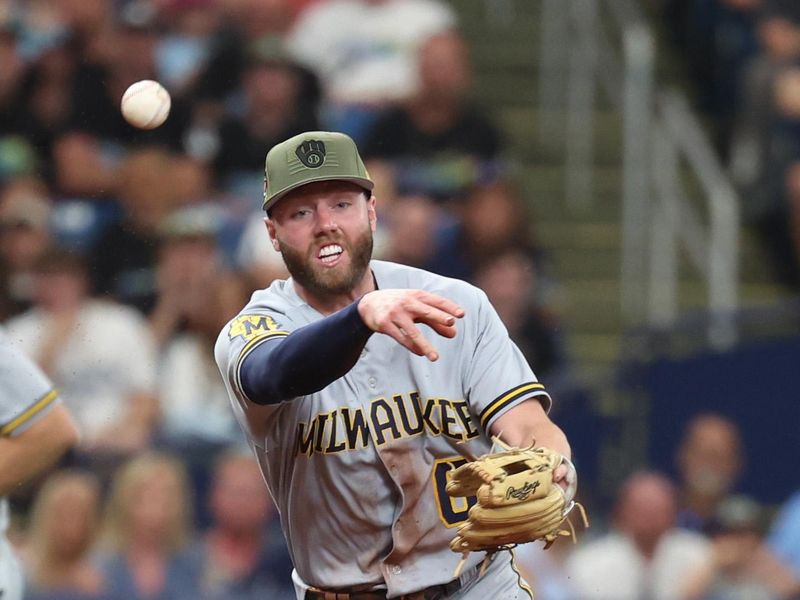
x=311 y=153
x=309 y=157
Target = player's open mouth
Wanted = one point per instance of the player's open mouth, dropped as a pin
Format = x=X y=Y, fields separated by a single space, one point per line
x=329 y=255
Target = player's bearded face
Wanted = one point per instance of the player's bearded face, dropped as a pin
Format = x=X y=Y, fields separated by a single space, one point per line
x=305 y=268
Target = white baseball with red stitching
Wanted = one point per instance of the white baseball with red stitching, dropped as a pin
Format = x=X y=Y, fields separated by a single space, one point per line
x=145 y=104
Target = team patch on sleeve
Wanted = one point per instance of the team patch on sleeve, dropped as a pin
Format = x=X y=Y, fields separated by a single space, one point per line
x=508 y=398
x=251 y=327
x=29 y=413
x=254 y=330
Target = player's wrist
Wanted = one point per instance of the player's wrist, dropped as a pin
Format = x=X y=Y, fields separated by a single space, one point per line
x=362 y=309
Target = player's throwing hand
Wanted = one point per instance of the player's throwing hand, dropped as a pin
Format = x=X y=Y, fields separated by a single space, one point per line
x=395 y=312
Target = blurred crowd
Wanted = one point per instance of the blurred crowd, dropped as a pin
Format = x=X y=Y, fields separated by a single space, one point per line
x=744 y=60
x=687 y=535
x=123 y=253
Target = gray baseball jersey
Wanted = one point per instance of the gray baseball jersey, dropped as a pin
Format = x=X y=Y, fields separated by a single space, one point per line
x=25 y=395
x=358 y=469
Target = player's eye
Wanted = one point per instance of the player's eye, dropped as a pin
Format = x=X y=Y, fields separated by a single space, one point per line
x=343 y=204
x=300 y=213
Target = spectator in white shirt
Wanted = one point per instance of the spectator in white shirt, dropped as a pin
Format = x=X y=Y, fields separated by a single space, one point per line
x=97 y=352
x=645 y=556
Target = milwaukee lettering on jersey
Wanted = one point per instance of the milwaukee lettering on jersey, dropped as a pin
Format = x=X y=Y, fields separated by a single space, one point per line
x=404 y=416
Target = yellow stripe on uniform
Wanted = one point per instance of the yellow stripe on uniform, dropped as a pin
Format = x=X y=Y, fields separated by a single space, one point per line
x=507 y=398
x=520 y=579
x=31 y=412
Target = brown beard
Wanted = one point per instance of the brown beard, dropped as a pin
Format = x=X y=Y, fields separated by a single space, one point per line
x=325 y=283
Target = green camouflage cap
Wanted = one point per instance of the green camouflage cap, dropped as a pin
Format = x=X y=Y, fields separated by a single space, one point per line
x=309 y=157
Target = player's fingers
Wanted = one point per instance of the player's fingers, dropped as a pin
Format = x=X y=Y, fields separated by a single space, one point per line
x=412 y=338
x=441 y=303
x=430 y=315
x=448 y=331
x=567 y=478
x=398 y=334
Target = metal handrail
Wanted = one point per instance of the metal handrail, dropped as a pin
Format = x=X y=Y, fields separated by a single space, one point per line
x=722 y=267
x=662 y=138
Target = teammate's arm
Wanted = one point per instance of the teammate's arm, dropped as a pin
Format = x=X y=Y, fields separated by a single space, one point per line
x=313 y=356
x=25 y=455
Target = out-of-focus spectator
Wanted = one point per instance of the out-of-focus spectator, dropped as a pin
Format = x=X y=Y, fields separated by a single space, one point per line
x=545 y=570
x=272 y=112
x=44 y=106
x=718 y=37
x=491 y=219
x=365 y=53
x=244 y=554
x=242 y=23
x=24 y=236
x=63 y=528
x=124 y=256
x=793 y=206
x=185 y=45
x=99 y=354
x=436 y=142
x=86 y=156
x=510 y=280
x=192 y=182
x=12 y=76
x=741 y=566
x=709 y=460
x=645 y=556
x=90 y=25
x=218 y=86
x=147 y=531
x=779 y=36
x=784 y=536
x=197 y=296
x=411 y=224
x=768 y=207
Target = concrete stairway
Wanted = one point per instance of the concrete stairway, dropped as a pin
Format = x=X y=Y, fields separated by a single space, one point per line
x=584 y=247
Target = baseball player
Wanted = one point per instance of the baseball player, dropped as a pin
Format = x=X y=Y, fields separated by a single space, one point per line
x=35 y=430
x=355 y=432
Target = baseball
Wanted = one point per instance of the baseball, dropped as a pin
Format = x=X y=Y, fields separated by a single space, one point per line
x=145 y=104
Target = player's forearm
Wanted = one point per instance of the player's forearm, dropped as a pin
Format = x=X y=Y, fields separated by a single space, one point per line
x=527 y=423
x=24 y=456
x=306 y=361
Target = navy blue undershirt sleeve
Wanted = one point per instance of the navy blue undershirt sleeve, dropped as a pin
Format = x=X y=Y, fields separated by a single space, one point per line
x=305 y=361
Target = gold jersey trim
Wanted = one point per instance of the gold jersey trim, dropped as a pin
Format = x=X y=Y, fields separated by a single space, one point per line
x=29 y=413
x=507 y=398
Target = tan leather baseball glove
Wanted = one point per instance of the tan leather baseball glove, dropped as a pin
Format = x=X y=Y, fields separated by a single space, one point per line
x=517 y=500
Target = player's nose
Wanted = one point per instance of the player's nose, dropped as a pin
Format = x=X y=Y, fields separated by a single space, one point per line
x=326 y=220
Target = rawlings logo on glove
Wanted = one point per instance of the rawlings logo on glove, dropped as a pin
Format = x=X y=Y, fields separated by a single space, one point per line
x=518 y=502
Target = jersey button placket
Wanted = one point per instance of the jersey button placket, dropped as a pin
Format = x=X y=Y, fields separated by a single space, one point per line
x=372 y=382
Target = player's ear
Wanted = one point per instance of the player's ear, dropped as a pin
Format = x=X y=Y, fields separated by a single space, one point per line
x=271 y=231
x=371 y=213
